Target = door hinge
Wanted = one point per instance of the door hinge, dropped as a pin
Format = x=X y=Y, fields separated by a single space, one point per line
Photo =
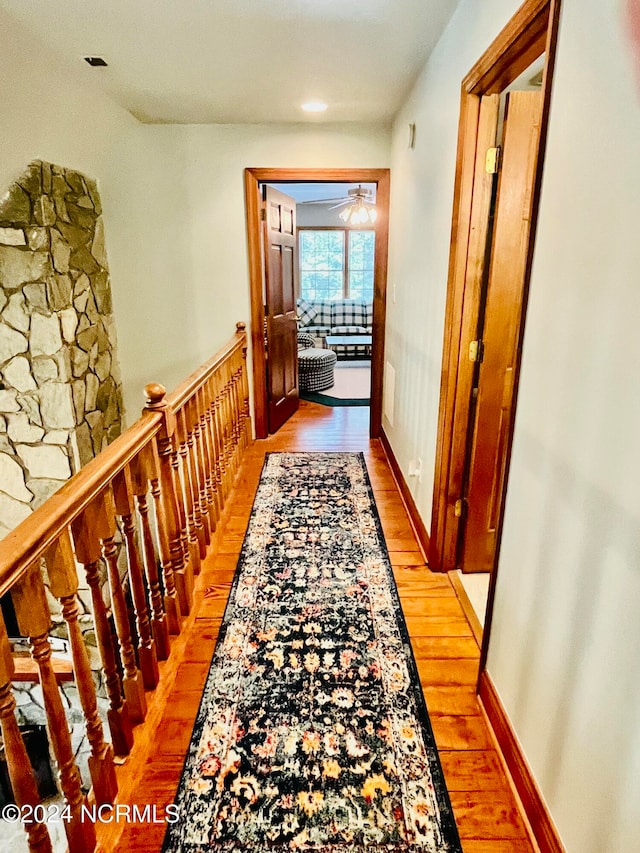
x=263 y=214
x=476 y=351
x=492 y=161
x=460 y=506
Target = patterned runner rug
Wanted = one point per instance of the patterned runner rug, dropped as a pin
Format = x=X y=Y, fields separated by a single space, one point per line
x=312 y=732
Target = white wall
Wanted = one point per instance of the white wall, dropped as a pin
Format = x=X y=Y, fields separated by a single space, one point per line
x=173 y=201
x=420 y=229
x=46 y=114
x=565 y=640
x=207 y=163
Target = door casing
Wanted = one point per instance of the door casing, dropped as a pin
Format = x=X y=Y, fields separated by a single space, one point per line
x=281 y=334
x=252 y=178
x=532 y=31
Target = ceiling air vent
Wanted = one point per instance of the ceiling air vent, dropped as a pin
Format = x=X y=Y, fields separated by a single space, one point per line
x=95 y=61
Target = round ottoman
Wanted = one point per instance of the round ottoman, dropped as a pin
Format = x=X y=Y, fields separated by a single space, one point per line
x=315 y=369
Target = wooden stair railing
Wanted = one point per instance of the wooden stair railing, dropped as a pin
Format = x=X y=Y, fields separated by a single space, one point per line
x=152 y=501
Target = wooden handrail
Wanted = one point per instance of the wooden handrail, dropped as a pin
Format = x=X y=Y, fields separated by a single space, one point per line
x=150 y=501
x=188 y=387
x=30 y=539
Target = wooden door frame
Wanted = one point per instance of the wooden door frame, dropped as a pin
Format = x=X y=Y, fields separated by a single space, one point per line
x=532 y=31
x=252 y=178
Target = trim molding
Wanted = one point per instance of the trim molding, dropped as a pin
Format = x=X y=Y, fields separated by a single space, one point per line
x=467 y=606
x=252 y=178
x=414 y=516
x=535 y=808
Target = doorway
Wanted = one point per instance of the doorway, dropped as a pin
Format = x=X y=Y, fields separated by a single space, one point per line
x=260 y=322
x=501 y=146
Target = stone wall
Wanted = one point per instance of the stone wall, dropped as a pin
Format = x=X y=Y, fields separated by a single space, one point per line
x=60 y=386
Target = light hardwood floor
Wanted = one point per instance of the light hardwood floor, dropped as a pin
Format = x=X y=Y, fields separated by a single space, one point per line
x=488 y=816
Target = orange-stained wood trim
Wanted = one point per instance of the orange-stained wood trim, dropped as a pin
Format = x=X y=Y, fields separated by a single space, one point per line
x=467 y=606
x=460 y=236
x=520 y=41
x=551 y=49
x=256 y=290
x=379 y=300
x=252 y=178
x=542 y=825
x=407 y=498
x=26 y=669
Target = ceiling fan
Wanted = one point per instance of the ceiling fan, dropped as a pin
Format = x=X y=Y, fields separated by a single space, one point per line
x=361 y=205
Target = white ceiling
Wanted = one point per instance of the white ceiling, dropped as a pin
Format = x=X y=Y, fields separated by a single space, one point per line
x=239 y=61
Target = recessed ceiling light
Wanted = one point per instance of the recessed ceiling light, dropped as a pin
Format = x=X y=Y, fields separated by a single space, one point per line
x=314 y=107
x=95 y=61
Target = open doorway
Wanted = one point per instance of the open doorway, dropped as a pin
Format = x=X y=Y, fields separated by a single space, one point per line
x=504 y=113
x=334 y=285
x=354 y=289
x=501 y=307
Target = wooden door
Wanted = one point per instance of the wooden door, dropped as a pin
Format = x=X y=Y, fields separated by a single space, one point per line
x=279 y=252
x=500 y=331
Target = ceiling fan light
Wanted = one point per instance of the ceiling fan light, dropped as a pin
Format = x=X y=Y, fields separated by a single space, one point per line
x=373 y=214
x=345 y=214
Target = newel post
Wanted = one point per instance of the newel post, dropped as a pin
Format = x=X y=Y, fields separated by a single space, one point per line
x=169 y=474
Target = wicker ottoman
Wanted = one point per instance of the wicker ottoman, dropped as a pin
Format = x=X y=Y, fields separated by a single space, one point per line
x=315 y=369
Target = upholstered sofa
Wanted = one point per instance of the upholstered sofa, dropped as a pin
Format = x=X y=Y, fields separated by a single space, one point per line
x=322 y=317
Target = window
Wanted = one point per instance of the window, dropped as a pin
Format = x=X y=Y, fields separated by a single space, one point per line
x=335 y=263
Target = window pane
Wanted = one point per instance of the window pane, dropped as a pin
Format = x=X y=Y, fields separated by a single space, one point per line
x=321 y=264
x=361 y=264
x=326 y=284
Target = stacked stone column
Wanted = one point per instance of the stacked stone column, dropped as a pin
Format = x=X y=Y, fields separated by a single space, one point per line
x=60 y=387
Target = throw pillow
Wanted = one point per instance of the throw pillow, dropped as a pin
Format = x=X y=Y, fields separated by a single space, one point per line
x=306 y=312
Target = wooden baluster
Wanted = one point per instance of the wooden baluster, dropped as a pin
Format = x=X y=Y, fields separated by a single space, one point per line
x=237 y=425
x=159 y=620
x=30 y=603
x=241 y=327
x=227 y=427
x=217 y=423
x=205 y=429
x=216 y=469
x=63 y=579
x=23 y=781
x=226 y=403
x=123 y=496
x=174 y=511
x=233 y=424
x=88 y=552
x=198 y=461
x=171 y=600
x=104 y=525
x=197 y=538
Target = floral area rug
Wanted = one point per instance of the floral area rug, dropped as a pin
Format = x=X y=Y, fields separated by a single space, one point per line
x=312 y=732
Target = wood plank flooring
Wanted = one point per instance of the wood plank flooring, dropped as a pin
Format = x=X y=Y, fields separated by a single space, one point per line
x=488 y=816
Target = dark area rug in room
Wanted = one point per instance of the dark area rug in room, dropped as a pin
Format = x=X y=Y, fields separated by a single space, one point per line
x=312 y=732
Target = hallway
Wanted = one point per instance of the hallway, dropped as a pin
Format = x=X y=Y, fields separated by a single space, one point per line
x=487 y=814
